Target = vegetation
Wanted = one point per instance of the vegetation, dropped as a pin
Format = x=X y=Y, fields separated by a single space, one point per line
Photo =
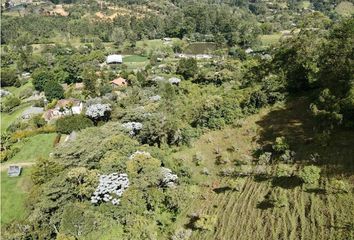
x=226 y=120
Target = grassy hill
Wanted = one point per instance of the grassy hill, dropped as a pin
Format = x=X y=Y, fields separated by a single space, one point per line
x=244 y=214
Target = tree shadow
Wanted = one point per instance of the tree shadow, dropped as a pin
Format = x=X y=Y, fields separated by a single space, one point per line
x=287 y=182
x=316 y=191
x=295 y=122
x=264 y=205
x=222 y=190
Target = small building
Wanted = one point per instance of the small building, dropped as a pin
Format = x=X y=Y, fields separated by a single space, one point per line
x=119 y=82
x=31 y=111
x=167 y=39
x=114 y=59
x=14 y=171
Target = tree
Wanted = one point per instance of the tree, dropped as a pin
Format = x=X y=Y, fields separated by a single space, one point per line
x=89 y=79
x=53 y=90
x=277 y=197
x=9 y=77
x=118 y=36
x=280 y=145
x=9 y=103
x=68 y=124
x=99 y=112
x=310 y=174
x=205 y=222
x=40 y=77
x=187 y=67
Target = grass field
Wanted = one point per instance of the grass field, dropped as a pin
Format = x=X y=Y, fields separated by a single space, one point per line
x=270 y=39
x=134 y=58
x=8 y=118
x=13 y=192
x=17 y=90
x=34 y=147
x=243 y=214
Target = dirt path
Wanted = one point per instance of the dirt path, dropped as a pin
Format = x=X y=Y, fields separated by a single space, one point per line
x=4 y=166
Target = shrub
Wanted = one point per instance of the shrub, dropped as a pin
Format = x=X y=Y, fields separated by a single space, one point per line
x=9 y=77
x=284 y=170
x=236 y=184
x=265 y=158
x=38 y=121
x=338 y=186
x=26 y=93
x=205 y=222
x=53 y=90
x=280 y=145
x=187 y=67
x=68 y=124
x=278 y=198
x=10 y=103
x=310 y=174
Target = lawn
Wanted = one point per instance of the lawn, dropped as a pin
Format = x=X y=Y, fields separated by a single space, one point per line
x=270 y=39
x=8 y=118
x=13 y=193
x=17 y=90
x=134 y=58
x=33 y=147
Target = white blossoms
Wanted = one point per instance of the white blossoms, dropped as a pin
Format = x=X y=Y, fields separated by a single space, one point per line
x=147 y=154
x=169 y=179
x=132 y=127
x=110 y=188
x=98 y=110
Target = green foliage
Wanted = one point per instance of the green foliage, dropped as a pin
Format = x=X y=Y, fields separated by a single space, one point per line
x=338 y=186
x=187 y=67
x=68 y=124
x=77 y=220
x=278 y=198
x=236 y=184
x=53 y=90
x=9 y=77
x=40 y=77
x=205 y=222
x=280 y=145
x=44 y=170
x=9 y=103
x=284 y=170
x=310 y=174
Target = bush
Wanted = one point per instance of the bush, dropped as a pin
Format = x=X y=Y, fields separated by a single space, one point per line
x=310 y=174
x=26 y=93
x=10 y=103
x=205 y=222
x=338 y=186
x=9 y=77
x=187 y=67
x=68 y=124
x=38 y=121
x=278 y=198
x=280 y=145
x=284 y=170
x=53 y=90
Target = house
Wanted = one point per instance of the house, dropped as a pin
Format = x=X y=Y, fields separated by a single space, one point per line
x=119 y=82
x=114 y=59
x=64 y=107
x=14 y=171
x=31 y=111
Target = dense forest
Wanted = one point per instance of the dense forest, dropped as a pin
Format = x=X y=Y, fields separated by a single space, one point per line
x=228 y=119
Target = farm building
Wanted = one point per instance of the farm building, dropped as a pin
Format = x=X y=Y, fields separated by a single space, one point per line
x=119 y=82
x=14 y=171
x=114 y=59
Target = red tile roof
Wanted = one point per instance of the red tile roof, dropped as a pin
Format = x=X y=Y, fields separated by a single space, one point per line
x=119 y=81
